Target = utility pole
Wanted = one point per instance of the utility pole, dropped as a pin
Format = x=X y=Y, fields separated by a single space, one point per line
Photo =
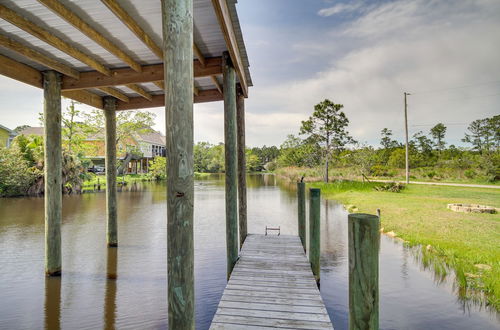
x=406 y=139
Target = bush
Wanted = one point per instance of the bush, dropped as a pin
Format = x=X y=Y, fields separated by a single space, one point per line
x=470 y=174
x=158 y=169
x=380 y=170
x=16 y=174
x=390 y=186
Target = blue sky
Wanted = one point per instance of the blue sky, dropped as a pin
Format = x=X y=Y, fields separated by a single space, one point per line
x=363 y=54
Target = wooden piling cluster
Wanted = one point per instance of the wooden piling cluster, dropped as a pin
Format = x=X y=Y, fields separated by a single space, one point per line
x=364 y=244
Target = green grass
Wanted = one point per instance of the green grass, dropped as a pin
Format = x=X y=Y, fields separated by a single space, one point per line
x=88 y=185
x=458 y=241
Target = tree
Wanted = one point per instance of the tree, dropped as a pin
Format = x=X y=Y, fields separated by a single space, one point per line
x=386 y=141
x=422 y=142
x=328 y=128
x=479 y=135
x=297 y=152
x=438 y=132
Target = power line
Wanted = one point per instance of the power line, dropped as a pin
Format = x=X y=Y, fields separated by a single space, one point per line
x=458 y=99
x=456 y=87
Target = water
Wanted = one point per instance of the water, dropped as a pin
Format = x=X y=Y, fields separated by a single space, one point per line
x=125 y=288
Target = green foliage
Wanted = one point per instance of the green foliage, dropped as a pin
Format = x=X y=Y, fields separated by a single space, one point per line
x=470 y=174
x=484 y=134
x=390 y=186
x=253 y=163
x=297 y=152
x=16 y=173
x=158 y=168
x=438 y=132
x=386 y=140
x=397 y=158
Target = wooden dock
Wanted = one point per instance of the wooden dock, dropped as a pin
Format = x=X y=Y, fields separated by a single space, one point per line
x=272 y=286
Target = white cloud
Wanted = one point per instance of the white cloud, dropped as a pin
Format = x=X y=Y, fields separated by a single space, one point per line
x=401 y=46
x=339 y=8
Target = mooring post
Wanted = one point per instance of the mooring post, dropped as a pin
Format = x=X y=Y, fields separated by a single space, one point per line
x=52 y=170
x=231 y=162
x=314 y=231
x=111 y=208
x=177 y=19
x=301 y=202
x=242 y=168
x=364 y=242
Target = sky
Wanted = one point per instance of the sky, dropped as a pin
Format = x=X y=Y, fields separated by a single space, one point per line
x=360 y=53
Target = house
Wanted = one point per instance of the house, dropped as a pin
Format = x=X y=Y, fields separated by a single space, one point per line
x=137 y=151
x=6 y=136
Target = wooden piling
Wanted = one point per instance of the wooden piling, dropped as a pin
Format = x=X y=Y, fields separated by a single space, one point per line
x=231 y=162
x=177 y=19
x=301 y=216
x=52 y=170
x=242 y=168
x=364 y=242
x=111 y=208
x=314 y=231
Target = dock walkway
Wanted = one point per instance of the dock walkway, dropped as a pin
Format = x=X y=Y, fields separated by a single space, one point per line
x=272 y=286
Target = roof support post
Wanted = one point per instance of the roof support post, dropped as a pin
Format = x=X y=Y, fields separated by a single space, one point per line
x=231 y=164
x=111 y=208
x=177 y=19
x=242 y=168
x=52 y=170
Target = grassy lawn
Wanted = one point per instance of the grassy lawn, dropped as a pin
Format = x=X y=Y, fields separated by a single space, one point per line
x=468 y=243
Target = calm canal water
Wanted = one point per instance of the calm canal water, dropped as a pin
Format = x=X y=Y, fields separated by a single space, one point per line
x=125 y=288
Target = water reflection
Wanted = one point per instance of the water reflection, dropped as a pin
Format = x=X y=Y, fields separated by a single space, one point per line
x=95 y=297
x=53 y=303
x=110 y=294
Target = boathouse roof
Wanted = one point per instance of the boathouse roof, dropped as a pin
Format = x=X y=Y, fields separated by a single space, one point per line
x=114 y=47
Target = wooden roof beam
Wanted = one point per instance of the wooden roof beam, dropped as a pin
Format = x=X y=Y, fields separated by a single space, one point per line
x=46 y=36
x=125 y=76
x=225 y=22
x=90 y=32
x=38 y=57
x=141 y=91
x=28 y=75
x=115 y=93
x=159 y=100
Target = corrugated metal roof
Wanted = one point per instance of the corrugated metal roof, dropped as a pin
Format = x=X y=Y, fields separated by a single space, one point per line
x=147 y=13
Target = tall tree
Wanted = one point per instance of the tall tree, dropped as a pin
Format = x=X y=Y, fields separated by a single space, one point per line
x=328 y=127
x=386 y=140
x=422 y=142
x=483 y=134
x=438 y=132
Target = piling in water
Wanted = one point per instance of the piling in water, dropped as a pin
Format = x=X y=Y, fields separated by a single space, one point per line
x=314 y=231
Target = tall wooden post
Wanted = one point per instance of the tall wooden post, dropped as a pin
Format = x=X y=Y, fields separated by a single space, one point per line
x=314 y=231
x=177 y=18
x=231 y=162
x=242 y=168
x=111 y=208
x=110 y=295
x=301 y=216
x=52 y=170
x=364 y=242
x=407 y=151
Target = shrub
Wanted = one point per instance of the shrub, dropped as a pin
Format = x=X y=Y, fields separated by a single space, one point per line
x=390 y=186
x=158 y=169
x=469 y=174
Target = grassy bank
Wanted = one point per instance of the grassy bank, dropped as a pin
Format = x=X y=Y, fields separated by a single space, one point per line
x=466 y=243
x=352 y=173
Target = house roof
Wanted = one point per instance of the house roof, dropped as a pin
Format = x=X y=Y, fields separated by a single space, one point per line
x=32 y=131
x=95 y=42
x=7 y=129
x=152 y=137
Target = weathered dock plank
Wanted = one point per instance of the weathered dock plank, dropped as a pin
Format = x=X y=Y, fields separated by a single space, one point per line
x=271 y=286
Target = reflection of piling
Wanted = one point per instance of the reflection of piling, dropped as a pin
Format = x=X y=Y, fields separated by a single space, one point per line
x=110 y=295
x=314 y=231
x=53 y=303
x=301 y=201
x=364 y=242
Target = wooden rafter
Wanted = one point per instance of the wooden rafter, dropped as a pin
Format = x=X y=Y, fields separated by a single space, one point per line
x=141 y=91
x=125 y=76
x=160 y=84
x=28 y=75
x=116 y=93
x=48 y=37
x=199 y=55
x=38 y=57
x=133 y=26
x=216 y=83
x=159 y=100
x=90 y=32
x=225 y=22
